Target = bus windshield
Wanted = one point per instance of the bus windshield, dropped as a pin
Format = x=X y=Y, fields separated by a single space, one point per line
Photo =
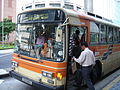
x=41 y=41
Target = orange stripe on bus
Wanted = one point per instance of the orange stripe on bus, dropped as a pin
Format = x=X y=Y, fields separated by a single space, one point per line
x=37 y=68
x=14 y=54
x=47 y=63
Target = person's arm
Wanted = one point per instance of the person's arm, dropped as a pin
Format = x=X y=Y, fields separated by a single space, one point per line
x=81 y=58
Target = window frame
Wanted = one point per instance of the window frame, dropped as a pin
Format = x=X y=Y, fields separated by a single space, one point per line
x=95 y=33
x=39 y=5
x=110 y=28
x=101 y=34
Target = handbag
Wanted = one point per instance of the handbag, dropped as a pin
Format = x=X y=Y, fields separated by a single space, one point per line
x=74 y=67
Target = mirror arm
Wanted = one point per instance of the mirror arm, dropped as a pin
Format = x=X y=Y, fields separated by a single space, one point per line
x=64 y=23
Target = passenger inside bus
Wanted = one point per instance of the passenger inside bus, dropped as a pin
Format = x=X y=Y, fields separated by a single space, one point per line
x=40 y=43
x=72 y=38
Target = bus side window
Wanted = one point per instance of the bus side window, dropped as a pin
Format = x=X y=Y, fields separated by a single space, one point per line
x=110 y=35
x=103 y=34
x=94 y=33
x=83 y=34
x=119 y=36
x=115 y=35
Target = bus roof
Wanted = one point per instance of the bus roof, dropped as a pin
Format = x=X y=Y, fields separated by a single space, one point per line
x=73 y=13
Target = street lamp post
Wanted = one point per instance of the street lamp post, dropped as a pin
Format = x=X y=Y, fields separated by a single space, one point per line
x=2 y=23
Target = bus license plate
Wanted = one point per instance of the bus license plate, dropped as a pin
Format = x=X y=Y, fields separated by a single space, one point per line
x=27 y=81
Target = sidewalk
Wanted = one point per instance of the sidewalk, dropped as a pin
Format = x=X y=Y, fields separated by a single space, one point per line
x=6 y=51
x=3 y=72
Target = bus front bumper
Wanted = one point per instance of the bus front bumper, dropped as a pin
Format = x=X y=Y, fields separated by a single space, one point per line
x=34 y=83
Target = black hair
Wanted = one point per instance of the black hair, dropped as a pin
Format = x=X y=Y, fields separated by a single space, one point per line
x=84 y=44
x=76 y=41
x=77 y=32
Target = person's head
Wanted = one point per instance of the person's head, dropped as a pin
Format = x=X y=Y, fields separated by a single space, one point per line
x=40 y=33
x=84 y=45
x=77 y=32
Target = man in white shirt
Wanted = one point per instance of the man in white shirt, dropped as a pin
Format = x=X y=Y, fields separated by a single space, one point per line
x=86 y=60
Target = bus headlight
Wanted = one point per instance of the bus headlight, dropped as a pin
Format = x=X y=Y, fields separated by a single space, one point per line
x=14 y=64
x=44 y=73
x=47 y=74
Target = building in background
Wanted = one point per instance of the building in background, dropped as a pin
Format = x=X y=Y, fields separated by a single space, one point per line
x=104 y=8
x=116 y=19
x=8 y=9
x=88 y=6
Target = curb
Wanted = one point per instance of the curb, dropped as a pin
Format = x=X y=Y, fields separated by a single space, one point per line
x=5 y=71
x=6 y=51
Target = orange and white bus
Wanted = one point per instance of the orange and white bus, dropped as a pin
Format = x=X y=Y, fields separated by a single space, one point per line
x=47 y=65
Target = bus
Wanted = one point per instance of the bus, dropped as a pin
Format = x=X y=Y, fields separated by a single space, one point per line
x=45 y=62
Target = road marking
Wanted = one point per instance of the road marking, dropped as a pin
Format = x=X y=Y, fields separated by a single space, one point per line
x=111 y=85
x=5 y=55
x=1 y=81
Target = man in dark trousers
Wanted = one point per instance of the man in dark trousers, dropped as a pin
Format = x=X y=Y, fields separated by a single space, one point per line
x=86 y=60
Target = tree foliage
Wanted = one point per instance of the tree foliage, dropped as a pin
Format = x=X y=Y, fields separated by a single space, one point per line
x=8 y=26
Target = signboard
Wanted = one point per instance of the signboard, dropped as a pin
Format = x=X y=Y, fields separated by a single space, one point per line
x=40 y=15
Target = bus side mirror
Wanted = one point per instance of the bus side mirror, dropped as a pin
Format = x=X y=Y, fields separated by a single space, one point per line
x=59 y=35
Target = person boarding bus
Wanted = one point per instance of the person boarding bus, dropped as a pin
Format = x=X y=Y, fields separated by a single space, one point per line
x=86 y=60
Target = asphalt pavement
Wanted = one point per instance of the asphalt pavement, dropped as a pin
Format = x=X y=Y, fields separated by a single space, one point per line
x=5 y=64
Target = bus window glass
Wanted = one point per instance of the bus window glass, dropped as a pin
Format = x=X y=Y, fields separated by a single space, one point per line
x=103 y=33
x=110 y=35
x=119 y=35
x=115 y=35
x=39 y=5
x=55 y=4
x=24 y=38
x=94 y=33
x=43 y=41
x=82 y=34
x=67 y=6
x=81 y=30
